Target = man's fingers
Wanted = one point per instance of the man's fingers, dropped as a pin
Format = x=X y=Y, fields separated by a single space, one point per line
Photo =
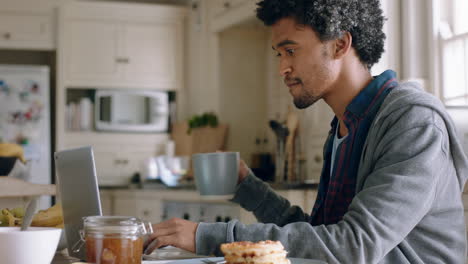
x=175 y=232
x=150 y=247
x=163 y=231
x=147 y=240
x=158 y=233
x=167 y=223
x=161 y=242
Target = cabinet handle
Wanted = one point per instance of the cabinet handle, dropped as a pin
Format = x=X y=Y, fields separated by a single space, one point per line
x=146 y=212
x=227 y=4
x=317 y=158
x=122 y=60
x=117 y=161
x=7 y=35
x=125 y=161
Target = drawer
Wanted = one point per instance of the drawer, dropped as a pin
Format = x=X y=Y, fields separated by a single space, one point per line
x=26 y=31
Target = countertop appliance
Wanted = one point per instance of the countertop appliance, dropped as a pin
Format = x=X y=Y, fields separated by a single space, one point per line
x=131 y=110
x=25 y=118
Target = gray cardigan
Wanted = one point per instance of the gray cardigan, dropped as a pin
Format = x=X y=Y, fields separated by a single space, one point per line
x=407 y=208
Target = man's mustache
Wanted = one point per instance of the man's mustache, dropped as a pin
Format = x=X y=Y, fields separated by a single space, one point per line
x=292 y=80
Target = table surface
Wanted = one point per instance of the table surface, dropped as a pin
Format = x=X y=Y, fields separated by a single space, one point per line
x=61 y=257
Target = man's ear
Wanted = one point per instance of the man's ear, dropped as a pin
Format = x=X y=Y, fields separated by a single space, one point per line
x=343 y=45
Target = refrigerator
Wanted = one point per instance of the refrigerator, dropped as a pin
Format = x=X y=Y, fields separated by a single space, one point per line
x=25 y=118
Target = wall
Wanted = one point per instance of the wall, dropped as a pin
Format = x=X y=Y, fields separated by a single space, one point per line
x=202 y=96
x=243 y=91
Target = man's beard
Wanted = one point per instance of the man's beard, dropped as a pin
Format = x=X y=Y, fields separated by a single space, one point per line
x=305 y=100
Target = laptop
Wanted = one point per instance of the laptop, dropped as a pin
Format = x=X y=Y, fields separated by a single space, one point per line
x=78 y=190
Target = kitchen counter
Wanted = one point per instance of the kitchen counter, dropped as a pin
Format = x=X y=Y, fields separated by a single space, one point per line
x=190 y=187
x=156 y=205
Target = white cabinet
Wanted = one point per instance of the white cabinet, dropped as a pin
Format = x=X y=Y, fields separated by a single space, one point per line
x=225 y=13
x=27 y=25
x=150 y=54
x=92 y=51
x=160 y=205
x=149 y=210
x=118 y=157
x=219 y=7
x=107 y=202
x=122 y=45
x=124 y=206
x=116 y=164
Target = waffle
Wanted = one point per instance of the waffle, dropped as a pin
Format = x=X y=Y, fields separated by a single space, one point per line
x=263 y=252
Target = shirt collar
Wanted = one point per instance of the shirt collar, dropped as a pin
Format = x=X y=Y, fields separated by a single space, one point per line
x=362 y=103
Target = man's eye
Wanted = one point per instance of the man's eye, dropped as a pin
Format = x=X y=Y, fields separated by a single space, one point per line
x=290 y=51
x=278 y=54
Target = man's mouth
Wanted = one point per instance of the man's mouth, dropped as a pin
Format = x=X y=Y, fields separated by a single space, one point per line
x=292 y=82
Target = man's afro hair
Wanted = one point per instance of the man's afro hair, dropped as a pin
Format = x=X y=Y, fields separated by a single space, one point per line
x=330 y=18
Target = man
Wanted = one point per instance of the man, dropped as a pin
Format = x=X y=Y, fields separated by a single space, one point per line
x=390 y=190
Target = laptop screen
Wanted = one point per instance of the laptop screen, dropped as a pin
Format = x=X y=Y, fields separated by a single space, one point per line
x=77 y=189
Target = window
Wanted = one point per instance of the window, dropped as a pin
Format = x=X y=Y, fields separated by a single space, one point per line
x=453 y=28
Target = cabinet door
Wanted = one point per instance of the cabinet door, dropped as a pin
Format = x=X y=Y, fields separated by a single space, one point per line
x=106 y=203
x=132 y=161
x=108 y=165
x=220 y=7
x=26 y=31
x=152 y=54
x=149 y=210
x=217 y=7
x=125 y=206
x=92 y=52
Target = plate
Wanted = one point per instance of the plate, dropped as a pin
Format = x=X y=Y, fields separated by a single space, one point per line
x=171 y=253
x=200 y=261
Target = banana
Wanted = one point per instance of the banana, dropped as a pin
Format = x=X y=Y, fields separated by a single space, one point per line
x=18 y=212
x=51 y=217
x=9 y=218
x=3 y=220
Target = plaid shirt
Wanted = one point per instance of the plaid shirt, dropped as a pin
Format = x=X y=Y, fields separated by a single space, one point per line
x=336 y=192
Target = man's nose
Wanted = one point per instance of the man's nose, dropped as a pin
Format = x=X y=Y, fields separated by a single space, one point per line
x=284 y=68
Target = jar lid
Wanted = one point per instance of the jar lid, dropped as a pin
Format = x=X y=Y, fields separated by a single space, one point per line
x=125 y=225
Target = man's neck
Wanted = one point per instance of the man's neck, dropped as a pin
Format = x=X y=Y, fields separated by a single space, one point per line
x=350 y=82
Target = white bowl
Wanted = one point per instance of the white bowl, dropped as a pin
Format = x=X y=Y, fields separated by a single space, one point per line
x=36 y=245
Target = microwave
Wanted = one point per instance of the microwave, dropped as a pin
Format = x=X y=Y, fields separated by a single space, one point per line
x=131 y=110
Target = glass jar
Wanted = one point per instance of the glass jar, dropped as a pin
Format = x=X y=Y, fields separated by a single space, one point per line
x=114 y=239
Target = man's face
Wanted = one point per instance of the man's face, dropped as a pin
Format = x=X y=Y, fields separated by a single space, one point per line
x=305 y=63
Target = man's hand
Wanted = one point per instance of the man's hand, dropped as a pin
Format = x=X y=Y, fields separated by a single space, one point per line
x=243 y=171
x=174 y=232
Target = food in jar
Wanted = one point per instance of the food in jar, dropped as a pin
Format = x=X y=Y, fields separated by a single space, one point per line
x=113 y=250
